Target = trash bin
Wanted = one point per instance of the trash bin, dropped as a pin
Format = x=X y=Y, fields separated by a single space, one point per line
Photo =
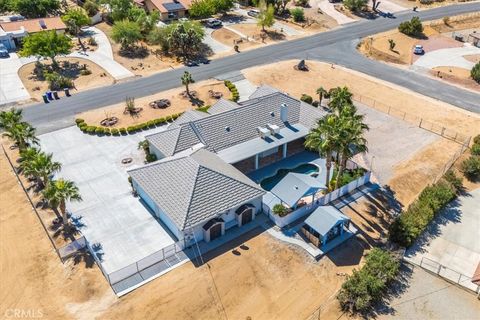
x=67 y=92
x=45 y=98
x=55 y=95
x=49 y=95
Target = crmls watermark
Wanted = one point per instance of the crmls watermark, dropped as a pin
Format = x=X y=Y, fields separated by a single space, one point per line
x=23 y=314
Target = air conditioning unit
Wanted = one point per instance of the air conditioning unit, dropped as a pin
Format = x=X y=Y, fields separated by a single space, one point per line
x=263 y=132
x=274 y=129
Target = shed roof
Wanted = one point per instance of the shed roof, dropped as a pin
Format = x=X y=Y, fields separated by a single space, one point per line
x=295 y=186
x=325 y=218
x=195 y=188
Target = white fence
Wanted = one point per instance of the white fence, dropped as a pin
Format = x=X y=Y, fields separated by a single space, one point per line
x=326 y=199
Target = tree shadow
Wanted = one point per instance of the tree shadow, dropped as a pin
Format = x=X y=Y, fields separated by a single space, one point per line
x=369 y=15
x=275 y=35
x=97 y=249
x=135 y=52
x=348 y=253
x=83 y=256
x=232 y=18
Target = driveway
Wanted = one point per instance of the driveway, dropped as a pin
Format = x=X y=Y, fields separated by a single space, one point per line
x=112 y=220
x=11 y=87
x=452 y=239
x=216 y=46
x=451 y=57
x=329 y=9
x=388 y=6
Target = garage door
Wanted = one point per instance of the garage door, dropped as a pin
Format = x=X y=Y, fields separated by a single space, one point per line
x=247 y=216
x=215 y=231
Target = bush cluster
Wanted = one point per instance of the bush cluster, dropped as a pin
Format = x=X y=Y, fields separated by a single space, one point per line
x=475 y=72
x=99 y=130
x=306 y=98
x=471 y=166
x=58 y=82
x=280 y=210
x=233 y=89
x=298 y=14
x=413 y=28
x=366 y=286
x=410 y=224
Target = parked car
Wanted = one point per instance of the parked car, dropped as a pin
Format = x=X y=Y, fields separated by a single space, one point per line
x=253 y=13
x=3 y=51
x=418 y=49
x=191 y=63
x=214 y=23
x=183 y=19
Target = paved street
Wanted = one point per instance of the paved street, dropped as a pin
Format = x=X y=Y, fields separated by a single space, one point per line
x=337 y=46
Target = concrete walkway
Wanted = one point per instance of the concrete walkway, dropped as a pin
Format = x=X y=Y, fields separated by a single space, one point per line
x=103 y=56
x=388 y=6
x=452 y=57
x=216 y=46
x=329 y=9
x=11 y=86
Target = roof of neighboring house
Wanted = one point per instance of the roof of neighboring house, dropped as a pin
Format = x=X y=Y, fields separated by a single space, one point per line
x=188 y=116
x=222 y=105
x=295 y=186
x=224 y=130
x=165 y=6
x=195 y=188
x=325 y=218
x=34 y=25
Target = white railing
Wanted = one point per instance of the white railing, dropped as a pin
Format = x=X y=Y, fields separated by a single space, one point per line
x=72 y=248
x=322 y=201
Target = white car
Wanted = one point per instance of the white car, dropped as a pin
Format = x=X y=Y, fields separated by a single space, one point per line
x=418 y=49
x=214 y=23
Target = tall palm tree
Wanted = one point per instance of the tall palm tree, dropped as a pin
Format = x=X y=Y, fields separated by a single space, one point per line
x=321 y=93
x=186 y=81
x=324 y=139
x=340 y=97
x=41 y=167
x=22 y=133
x=58 y=192
x=26 y=156
x=351 y=139
x=10 y=118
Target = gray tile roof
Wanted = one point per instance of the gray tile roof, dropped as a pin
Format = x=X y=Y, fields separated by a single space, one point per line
x=261 y=91
x=325 y=218
x=195 y=188
x=222 y=105
x=188 y=116
x=295 y=186
x=228 y=128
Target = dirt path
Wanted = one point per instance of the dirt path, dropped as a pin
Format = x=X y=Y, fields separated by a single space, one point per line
x=32 y=278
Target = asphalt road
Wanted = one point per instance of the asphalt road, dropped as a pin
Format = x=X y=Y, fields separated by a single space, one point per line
x=336 y=46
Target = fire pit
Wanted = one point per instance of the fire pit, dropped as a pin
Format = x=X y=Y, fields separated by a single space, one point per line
x=160 y=104
x=215 y=94
x=108 y=122
x=127 y=160
x=193 y=94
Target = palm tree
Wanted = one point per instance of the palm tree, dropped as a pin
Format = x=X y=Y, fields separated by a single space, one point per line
x=323 y=138
x=41 y=167
x=186 y=81
x=26 y=156
x=351 y=139
x=321 y=93
x=22 y=133
x=58 y=192
x=10 y=118
x=340 y=97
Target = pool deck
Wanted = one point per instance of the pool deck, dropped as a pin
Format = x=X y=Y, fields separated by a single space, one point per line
x=289 y=163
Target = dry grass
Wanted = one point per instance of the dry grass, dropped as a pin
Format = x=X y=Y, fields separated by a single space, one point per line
x=401 y=100
x=456 y=75
x=178 y=104
x=253 y=31
x=36 y=87
x=230 y=38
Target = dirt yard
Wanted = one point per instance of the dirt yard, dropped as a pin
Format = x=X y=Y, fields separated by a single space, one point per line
x=365 y=87
x=143 y=64
x=71 y=68
x=455 y=75
x=33 y=279
x=253 y=278
x=253 y=31
x=230 y=38
x=178 y=104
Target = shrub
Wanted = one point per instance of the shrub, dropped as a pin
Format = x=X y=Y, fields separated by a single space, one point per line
x=176 y=115
x=131 y=129
x=107 y=131
x=355 y=5
x=306 y=98
x=475 y=149
x=85 y=72
x=57 y=81
x=90 y=129
x=476 y=139
x=90 y=7
x=83 y=127
x=471 y=167
x=366 y=286
x=297 y=14
x=413 y=28
x=454 y=180
x=122 y=131
x=78 y=121
x=99 y=130
x=168 y=118
x=475 y=73
x=160 y=121
x=150 y=157
x=280 y=209
x=115 y=132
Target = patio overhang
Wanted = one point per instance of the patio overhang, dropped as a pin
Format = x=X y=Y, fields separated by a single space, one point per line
x=259 y=145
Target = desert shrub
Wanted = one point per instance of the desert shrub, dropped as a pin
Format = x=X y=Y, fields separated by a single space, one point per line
x=355 y=5
x=476 y=139
x=150 y=157
x=90 y=129
x=57 y=81
x=85 y=72
x=471 y=167
x=475 y=150
x=280 y=209
x=426 y=1
x=122 y=131
x=475 y=73
x=160 y=121
x=115 y=132
x=99 y=130
x=411 y=223
x=454 y=180
x=297 y=14
x=366 y=286
x=301 y=3
x=412 y=28
x=306 y=98
x=78 y=121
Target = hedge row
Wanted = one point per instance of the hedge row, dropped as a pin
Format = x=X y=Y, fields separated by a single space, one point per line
x=99 y=130
x=233 y=89
x=409 y=225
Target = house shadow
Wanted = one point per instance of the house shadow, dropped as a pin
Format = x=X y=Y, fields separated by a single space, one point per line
x=211 y=250
x=348 y=253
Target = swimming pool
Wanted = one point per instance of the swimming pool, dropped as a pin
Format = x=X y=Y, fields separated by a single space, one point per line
x=270 y=182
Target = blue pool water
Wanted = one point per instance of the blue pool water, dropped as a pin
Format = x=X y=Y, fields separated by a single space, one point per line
x=270 y=182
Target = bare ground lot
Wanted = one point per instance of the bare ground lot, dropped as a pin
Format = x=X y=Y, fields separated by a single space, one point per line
x=37 y=87
x=368 y=88
x=178 y=104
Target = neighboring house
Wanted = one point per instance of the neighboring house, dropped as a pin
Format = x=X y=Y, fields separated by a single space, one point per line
x=169 y=9
x=12 y=33
x=199 y=187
